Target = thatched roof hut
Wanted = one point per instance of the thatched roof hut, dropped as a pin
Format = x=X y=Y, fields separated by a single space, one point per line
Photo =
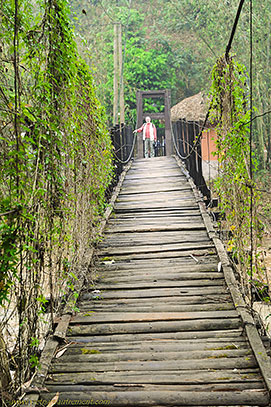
x=193 y=108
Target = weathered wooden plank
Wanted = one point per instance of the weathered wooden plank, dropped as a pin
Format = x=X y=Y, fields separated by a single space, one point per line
x=155 y=248
x=171 y=300
x=151 y=218
x=129 y=189
x=147 y=173
x=93 y=317
x=98 y=353
x=152 y=238
x=117 y=285
x=138 y=207
x=168 y=345
x=156 y=292
x=157 y=346
x=122 y=208
x=165 y=254
x=153 y=171
x=160 y=266
x=169 y=307
x=159 y=170
x=155 y=197
x=150 y=195
x=185 y=225
x=131 y=211
x=146 y=228
x=183 y=263
x=193 y=387
x=143 y=176
x=131 y=200
x=151 y=174
x=154 y=177
x=207 y=336
x=156 y=165
x=163 y=162
x=172 y=398
x=158 y=162
x=152 y=276
x=136 y=274
x=133 y=241
x=193 y=220
x=156 y=326
x=108 y=276
x=152 y=306
x=160 y=378
x=133 y=355
x=182 y=364
x=158 y=213
x=141 y=184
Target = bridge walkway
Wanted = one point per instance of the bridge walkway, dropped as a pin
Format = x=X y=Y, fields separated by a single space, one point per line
x=160 y=327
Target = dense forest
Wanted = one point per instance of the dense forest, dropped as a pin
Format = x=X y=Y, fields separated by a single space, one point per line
x=174 y=45
x=56 y=159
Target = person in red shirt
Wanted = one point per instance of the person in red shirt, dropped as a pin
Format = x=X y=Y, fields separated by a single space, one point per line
x=149 y=137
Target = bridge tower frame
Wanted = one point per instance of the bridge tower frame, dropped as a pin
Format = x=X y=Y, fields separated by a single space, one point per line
x=154 y=94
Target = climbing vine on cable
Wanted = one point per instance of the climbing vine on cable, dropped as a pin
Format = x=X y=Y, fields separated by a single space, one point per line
x=55 y=167
x=231 y=115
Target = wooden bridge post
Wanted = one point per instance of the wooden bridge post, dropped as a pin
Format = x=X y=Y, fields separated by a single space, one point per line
x=181 y=137
x=139 y=121
x=168 y=139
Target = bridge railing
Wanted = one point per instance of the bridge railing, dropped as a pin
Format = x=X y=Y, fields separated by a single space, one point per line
x=187 y=143
x=123 y=141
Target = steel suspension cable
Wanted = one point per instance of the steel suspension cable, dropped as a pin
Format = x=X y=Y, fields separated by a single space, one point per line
x=196 y=142
x=234 y=27
x=130 y=154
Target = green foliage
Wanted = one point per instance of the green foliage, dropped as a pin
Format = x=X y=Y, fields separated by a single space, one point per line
x=235 y=184
x=55 y=166
x=149 y=60
x=147 y=68
x=209 y=25
x=196 y=31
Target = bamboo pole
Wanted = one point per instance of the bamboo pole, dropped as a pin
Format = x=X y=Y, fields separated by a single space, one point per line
x=116 y=76
x=121 y=93
x=121 y=75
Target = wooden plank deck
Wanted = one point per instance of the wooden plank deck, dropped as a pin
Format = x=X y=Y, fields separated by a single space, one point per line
x=159 y=328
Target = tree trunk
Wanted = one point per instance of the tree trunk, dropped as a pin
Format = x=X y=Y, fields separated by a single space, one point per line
x=5 y=377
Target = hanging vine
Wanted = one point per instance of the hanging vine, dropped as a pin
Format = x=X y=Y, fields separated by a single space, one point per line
x=55 y=167
x=231 y=115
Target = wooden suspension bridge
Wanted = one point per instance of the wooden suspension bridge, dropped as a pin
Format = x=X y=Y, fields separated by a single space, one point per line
x=165 y=324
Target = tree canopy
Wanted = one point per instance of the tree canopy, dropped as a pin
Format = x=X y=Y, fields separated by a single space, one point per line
x=174 y=45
